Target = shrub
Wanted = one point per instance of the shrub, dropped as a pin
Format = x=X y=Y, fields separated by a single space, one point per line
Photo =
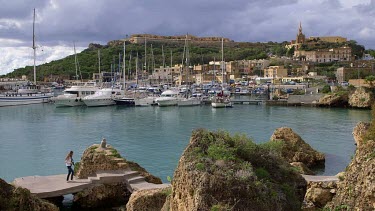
x=326 y=89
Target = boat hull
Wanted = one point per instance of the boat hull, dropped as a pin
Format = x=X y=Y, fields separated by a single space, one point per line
x=24 y=100
x=148 y=101
x=167 y=102
x=99 y=102
x=220 y=105
x=189 y=102
x=125 y=102
x=68 y=102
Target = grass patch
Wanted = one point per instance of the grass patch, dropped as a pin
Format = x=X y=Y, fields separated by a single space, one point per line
x=262 y=173
x=114 y=153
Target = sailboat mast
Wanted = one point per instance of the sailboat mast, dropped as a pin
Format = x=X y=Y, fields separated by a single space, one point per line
x=123 y=61
x=100 y=77
x=136 y=69
x=34 y=48
x=171 y=71
x=222 y=60
x=145 y=56
x=75 y=60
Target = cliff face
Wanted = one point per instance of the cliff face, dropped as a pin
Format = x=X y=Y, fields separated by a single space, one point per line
x=333 y=100
x=295 y=149
x=361 y=98
x=150 y=200
x=218 y=172
x=357 y=190
x=12 y=198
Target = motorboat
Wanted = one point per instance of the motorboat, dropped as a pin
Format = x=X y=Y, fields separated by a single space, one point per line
x=169 y=97
x=103 y=97
x=74 y=95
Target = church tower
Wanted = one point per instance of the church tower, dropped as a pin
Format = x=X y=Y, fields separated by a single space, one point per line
x=300 y=36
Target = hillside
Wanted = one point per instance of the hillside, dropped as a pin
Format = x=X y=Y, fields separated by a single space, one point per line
x=200 y=52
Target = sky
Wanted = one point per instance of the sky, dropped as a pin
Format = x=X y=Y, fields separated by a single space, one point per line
x=60 y=23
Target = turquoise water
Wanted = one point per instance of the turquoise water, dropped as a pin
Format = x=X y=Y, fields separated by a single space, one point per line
x=36 y=138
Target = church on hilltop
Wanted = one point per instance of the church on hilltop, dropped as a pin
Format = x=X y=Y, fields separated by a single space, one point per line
x=309 y=49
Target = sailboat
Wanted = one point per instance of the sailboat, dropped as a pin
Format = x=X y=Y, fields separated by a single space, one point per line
x=29 y=93
x=188 y=100
x=222 y=99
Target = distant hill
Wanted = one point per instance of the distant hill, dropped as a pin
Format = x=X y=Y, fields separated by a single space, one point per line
x=202 y=50
x=200 y=53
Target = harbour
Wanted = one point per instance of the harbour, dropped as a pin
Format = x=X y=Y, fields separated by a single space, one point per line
x=35 y=138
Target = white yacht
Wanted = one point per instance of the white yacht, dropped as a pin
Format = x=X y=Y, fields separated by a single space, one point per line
x=74 y=95
x=168 y=98
x=145 y=101
x=103 y=97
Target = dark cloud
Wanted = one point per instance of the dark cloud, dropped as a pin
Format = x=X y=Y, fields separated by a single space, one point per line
x=87 y=21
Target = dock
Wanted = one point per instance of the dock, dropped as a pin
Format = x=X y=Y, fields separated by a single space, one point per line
x=56 y=185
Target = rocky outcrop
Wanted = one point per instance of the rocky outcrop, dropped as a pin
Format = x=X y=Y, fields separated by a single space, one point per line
x=102 y=196
x=361 y=98
x=219 y=172
x=318 y=194
x=151 y=200
x=359 y=131
x=12 y=198
x=94 y=46
x=357 y=190
x=104 y=157
x=333 y=100
x=295 y=149
x=98 y=158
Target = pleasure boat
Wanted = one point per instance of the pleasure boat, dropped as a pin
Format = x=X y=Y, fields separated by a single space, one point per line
x=74 y=95
x=28 y=94
x=169 y=97
x=103 y=97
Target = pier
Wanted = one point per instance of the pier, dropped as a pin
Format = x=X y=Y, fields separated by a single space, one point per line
x=56 y=185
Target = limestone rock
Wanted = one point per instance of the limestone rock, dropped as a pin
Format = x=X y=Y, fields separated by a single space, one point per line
x=318 y=194
x=220 y=172
x=295 y=149
x=103 y=195
x=357 y=189
x=96 y=158
x=358 y=132
x=361 y=98
x=333 y=100
x=12 y=198
x=302 y=168
x=151 y=200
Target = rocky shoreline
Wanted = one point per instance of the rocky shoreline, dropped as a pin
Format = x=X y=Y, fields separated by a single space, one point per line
x=218 y=171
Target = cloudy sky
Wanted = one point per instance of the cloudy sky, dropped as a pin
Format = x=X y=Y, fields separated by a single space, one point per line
x=59 y=23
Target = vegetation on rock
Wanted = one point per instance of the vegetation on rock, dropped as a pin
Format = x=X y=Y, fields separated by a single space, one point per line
x=218 y=171
x=12 y=198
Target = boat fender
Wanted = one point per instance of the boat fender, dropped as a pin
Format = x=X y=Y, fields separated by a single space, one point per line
x=76 y=100
x=80 y=99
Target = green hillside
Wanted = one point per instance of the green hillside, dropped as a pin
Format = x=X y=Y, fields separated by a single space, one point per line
x=200 y=53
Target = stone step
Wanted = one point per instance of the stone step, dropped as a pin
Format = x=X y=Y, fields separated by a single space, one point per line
x=131 y=174
x=146 y=186
x=137 y=179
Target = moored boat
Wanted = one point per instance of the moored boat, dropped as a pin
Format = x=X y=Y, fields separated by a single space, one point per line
x=103 y=97
x=73 y=96
x=168 y=98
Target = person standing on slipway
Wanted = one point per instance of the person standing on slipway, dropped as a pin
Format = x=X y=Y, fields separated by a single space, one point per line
x=69 y=162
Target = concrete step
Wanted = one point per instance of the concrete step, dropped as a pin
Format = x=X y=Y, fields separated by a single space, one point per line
x=131 y=174
x=146 y=186
x=137 y=179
